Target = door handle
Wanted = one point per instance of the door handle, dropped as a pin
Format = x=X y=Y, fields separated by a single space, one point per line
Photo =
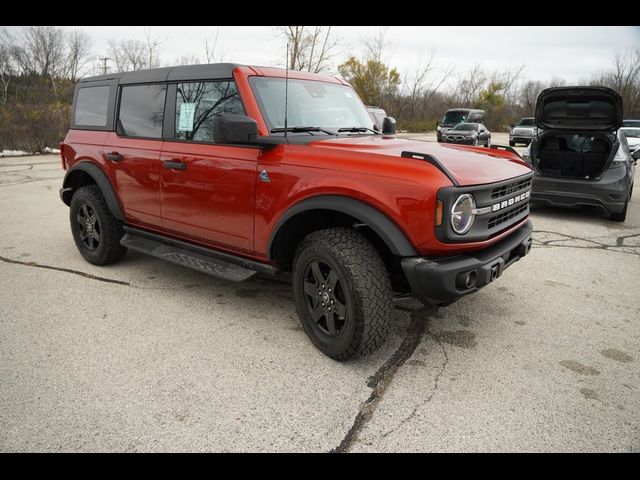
x=113 y=156
x=174 y=165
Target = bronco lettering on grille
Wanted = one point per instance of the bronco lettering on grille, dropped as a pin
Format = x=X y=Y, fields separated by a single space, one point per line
x=512 y=201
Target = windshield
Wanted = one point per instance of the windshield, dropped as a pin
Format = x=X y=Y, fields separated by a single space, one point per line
x=631 y=123
x=451 y=118
x=328 y=106
x=631 y=132
x=526 y=122
x=466 y=126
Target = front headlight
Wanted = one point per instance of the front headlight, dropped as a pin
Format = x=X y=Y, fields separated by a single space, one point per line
x=439 y=128
x=462 y=215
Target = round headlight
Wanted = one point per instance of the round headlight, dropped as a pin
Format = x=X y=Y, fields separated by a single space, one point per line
x=462 y=215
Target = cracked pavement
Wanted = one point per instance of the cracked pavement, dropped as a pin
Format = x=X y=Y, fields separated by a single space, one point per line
x=148 y=356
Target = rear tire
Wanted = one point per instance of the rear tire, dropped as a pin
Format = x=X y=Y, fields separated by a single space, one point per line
x=95 y=230
x=342 y=293
x=621 y=216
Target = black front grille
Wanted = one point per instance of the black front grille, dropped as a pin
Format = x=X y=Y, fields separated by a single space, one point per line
x=508 y=215
x=510 y=188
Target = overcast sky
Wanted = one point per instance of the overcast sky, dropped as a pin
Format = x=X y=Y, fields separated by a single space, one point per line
x=573 y=53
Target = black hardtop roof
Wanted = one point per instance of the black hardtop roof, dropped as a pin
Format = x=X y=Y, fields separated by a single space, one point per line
x=186 y=72
x=465 y=110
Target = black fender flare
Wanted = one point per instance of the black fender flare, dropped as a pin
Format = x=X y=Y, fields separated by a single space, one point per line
x=388 y=231
x=100 y=178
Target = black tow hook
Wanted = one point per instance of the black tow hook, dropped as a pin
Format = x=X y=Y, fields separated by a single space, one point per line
x=525 y=247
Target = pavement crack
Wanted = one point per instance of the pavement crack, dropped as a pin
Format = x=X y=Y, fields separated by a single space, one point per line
x=382 y=378
x=66 y=270
x=594 y=243
x=436 y=382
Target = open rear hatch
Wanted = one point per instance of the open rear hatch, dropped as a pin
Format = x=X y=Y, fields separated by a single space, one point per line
x=578 y=131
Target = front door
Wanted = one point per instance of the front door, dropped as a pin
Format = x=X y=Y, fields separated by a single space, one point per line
x=207 y=190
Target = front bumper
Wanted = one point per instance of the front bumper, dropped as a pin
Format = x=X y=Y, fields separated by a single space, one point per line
x=463 y=141
x=520 y=138
x=442 y=281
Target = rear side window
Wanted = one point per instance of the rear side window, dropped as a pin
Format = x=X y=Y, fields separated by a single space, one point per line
x=197 y=103
x=92 y=104
x=141 y=111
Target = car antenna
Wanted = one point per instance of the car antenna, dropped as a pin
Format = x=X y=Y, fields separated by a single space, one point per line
x=286 y=91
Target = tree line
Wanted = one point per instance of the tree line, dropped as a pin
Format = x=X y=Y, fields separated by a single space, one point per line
x=39 y=66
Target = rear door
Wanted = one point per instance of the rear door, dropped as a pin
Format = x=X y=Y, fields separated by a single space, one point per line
x=134 y=150
x=207 y=190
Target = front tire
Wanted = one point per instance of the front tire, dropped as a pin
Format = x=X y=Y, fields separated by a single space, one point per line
x=95 y=230
x=342 y=293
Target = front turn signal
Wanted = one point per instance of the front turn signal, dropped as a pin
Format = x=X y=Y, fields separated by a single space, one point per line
x=439 y=212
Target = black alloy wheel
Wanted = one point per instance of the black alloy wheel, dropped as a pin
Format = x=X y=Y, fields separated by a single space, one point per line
x=325 y=298
x=89 y=226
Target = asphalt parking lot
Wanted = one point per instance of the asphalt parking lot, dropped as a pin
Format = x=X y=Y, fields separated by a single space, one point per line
x=148 y=356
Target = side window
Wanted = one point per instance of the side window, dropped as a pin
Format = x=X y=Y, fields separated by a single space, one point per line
x=92 y=104
x=197 y=103
x=141 y=111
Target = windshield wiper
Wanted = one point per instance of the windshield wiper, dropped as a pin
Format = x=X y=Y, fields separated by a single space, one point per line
x=358 y=129
x=302 y=130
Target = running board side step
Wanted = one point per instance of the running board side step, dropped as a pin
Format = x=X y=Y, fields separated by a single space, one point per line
x=212 y=263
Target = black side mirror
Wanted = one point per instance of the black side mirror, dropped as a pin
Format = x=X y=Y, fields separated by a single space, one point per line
x=232 y=128
x=636 y=154
x=389 y=126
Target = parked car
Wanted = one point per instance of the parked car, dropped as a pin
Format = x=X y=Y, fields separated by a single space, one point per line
x=454 y=116
x=523 y=132
x=204 y=166
x=582 y=156
x=378 y=115
x=468 y=134
x=632 y=134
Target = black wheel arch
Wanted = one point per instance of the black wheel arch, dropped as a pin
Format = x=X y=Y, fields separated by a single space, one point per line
x=343 y=208
x=87 y=173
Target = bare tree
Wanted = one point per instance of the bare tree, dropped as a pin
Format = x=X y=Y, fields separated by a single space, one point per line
x=624 y=78
x=37 y=50
x=529 y=94
x=210 y=46
x=187 y=60
x=468 y=87
x=130 y=55
x=6 y=72
x=423 y=85
x=153 y=46
x=78 y=53
x=310 y=48
x=376 y=45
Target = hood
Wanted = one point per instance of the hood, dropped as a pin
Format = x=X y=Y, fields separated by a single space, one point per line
x=468 y=165
x=579 y=108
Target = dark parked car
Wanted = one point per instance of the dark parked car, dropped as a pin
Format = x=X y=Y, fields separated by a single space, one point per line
x=582 y=157
x=455 y=116
x=475 y=134
x=523 y=132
